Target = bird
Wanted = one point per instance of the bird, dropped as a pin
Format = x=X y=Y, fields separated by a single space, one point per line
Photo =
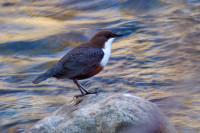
x=83 y=61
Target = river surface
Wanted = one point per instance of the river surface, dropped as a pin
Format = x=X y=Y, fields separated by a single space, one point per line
x=158 y=57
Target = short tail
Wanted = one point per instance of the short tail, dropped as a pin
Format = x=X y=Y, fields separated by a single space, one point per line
x=41 y=78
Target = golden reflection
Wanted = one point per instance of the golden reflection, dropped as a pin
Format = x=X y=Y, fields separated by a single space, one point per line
x=29 y=28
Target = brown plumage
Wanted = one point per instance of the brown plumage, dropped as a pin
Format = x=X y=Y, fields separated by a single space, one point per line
x=81 y=62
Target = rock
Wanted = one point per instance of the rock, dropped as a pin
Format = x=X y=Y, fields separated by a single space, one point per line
x=105 y=113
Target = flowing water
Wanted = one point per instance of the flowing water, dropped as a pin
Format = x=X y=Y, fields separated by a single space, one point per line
x=158 y=57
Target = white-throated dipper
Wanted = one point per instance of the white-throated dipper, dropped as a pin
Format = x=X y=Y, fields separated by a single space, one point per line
x=83 y=61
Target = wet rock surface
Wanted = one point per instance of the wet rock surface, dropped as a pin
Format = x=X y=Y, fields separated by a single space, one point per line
x=105 y=113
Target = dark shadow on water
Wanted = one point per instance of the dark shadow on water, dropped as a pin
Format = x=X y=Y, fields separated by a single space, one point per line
x=47 y=46
x=4 y=92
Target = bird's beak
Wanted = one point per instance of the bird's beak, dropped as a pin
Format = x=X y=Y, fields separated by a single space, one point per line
x=118 y=35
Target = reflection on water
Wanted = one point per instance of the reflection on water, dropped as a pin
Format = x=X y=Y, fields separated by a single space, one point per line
x=158 y=58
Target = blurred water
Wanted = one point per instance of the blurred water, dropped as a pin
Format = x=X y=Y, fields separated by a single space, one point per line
x=158 y=58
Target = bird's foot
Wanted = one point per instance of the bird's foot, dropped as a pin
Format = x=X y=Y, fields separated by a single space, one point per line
x=87 y=93
x=91 y=93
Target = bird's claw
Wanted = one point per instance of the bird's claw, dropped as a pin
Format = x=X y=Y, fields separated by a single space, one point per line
x=77 y=96
x=92 y=93
x=87 y=93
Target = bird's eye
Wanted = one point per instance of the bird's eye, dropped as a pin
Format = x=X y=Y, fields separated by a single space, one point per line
x=107 y=35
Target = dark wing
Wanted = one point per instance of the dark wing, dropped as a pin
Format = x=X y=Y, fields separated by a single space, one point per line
x=84 y=60
x=74 y=63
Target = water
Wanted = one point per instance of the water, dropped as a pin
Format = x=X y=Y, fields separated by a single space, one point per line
x=158 y=58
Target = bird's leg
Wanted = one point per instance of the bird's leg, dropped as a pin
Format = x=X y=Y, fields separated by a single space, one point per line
x=87 y=92
x=81 y=88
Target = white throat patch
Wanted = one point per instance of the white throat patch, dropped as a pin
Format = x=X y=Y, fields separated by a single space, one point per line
x=107 y=51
